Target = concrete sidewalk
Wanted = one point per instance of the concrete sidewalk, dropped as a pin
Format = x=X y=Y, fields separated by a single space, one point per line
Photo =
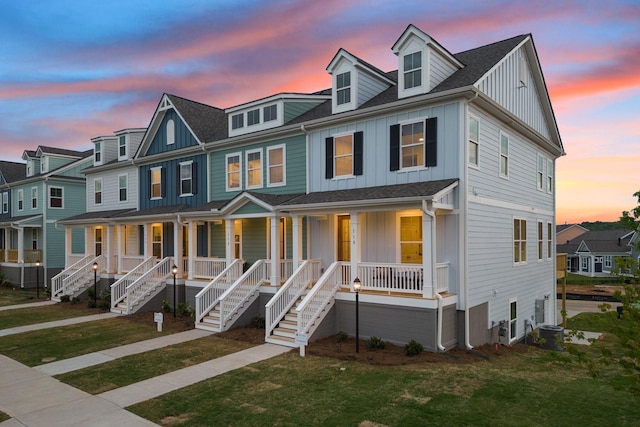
x=27 y=305
x=56 y=323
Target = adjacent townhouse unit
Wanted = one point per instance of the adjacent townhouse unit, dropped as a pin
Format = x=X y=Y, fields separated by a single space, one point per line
x=51 y=189
x=429 y=189
x=594 y=252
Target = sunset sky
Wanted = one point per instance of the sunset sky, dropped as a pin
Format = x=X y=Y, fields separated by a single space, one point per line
x=73 y=70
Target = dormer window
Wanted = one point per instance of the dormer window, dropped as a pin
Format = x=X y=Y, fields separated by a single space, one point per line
x=122 y=148
x=97 y=153
x=44 y=164
x=237 y=121
x=413 y=70
x=253 y=117
x=270 y=112
x=343 y=88
x=171 y=132
x=29 y=167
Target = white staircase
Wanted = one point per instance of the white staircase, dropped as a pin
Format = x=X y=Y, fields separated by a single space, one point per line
x=76 y=278
x=281 y=317
x=208 y=299
x=132 y=291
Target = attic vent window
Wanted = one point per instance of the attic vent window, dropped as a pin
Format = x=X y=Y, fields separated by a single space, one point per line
x=171 y=132
x=237 y=121
x=343 y=88
x=413 y=70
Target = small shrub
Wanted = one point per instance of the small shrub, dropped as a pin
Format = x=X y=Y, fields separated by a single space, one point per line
x=65 y=298
x=375 y=343
x=184 y=310
x=91 y=303
x=105 y=294
x=165 y=306
x=258 y=322
x=413 y=348
x=90 y=293
x=76 y=300
x=342 y=336
x=105 y=304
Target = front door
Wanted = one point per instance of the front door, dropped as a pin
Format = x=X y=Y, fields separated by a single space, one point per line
x=344 y=240
x=98 y=241
x=156 y=240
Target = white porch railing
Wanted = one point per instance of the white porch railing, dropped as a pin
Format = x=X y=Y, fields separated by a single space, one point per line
x=130 y=262
x=83 y=276
x=57 y=280
x=74 y=258
x=278 y=306
x=400 y=278
x=119 y=288
x=442 y=277
x=286 y=270
x=243 y=291
x=208 y=268
x=147 y=283
x=320 y=299
x=208 y=297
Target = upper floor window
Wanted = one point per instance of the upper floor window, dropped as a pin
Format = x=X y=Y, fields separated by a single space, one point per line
x=171 y=132
x=34 y=197
x=44 y=164
x=343 y=157
x=413 y=70
x=97 y=191
x=56 y=197
x=474 y=141
x=122 y=147
x=519 y=241
x=540 y=241
x=122 y=188
x=276 y=165
x=156 y=182
x=20 y=199
x=254 y=169
x=549 y=240
x=237 y=121
x=412 y=144
x=29 y=167
x=270 y=112
x=549 y=176
x=253 y=117
x=504 y=155
x=540 y=172
x=343 y=86
x=97 y=153
x=233 y=165
x=5 y=202
x=186 y=179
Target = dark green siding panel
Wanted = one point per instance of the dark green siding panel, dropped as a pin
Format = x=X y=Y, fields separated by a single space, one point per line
x=217 y=248
x=254 y=239
x=77 y=240
x=250 y=208
x=295 y=109
x=183 y=136
x=55 y=241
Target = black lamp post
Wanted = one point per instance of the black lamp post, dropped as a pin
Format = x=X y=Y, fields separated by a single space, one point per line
x=95 y=282
x=174 y=271
x=356 y=287
x=38 y=279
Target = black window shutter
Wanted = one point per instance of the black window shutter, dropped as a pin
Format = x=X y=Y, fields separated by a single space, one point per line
x=163 y=182
x=394 y=147
x=358 y=139
x=178 y=186
x=431 y=142
x=150 y=185
x=194 y=178
x=328 y=143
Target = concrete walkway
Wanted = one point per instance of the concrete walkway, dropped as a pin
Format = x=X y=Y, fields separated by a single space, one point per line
x=56 y=323
x=27 y=305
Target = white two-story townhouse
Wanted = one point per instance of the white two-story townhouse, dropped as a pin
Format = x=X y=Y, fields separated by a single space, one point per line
x=52 y=189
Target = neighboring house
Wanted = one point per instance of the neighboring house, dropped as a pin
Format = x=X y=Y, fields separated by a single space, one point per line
x=433 y=185
x=52 y=188
x=10 y=172
x=597 y=250
x=567 y=232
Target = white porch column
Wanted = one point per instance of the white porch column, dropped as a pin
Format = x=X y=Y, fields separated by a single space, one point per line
x=68 y=245
x=275 y=250
x=148 y=244
x=592 y=265
x=228 y=224
x=7 y=242
x=193 y=249
x=356 y=253
x=296 y=231
x=121 y=244
x=109 y=251
x=177 y=240
x=428 y=252
x=21 y=254
x=87 y=241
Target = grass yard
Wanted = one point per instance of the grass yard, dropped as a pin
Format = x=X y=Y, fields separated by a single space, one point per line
x=31 y=348
x=139 y=367
x=32 y=315
x=10 y=295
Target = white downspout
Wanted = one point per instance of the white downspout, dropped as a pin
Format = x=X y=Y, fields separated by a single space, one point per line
x=432 y=215
x=439 y=330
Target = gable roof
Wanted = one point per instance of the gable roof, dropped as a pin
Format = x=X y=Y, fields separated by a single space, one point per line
x=12 y=171
x=604 y=241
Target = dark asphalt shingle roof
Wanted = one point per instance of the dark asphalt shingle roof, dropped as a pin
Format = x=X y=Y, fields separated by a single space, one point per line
x=96 y=215
x=207 y=122
x=159 y=210
x=13 y=171
x=606 y=241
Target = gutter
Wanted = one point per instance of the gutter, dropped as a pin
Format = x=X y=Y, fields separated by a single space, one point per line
x=426 y=209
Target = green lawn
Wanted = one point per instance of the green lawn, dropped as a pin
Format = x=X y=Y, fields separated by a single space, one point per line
x=70 y=341
x=15 y=296
x=32 y=315
x=139 y=367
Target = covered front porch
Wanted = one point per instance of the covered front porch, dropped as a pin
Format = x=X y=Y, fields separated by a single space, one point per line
x=21 y=250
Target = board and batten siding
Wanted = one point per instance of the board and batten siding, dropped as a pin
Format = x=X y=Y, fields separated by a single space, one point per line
x=111 y=190
x=376 y=150
x=183 y=137
x=295 y=168
x=503 y=85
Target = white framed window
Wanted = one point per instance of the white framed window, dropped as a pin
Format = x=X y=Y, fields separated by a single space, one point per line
x=343 y=88
x=29 y=167
x=171 y=132
x=474 y=141
x=20 y=199
x=585 y=263
x=253 y=117
x=412 y=145
x=343 y=157
x=5 y=202
x=519 y=241
x=122 y=147
x=413 y=70
x=156 y=182
x=44 y=164
x=549 y=176
x=254 y=168
x=34 y=197
x=34 y=238
x=504 y=155
x=97 y=153
x=540 y=241
x=540 y=172
x=56 y=197
x=608 y=261
x=549 y=240
x=98 y=241
x=97 y=191
x=233 y=166
x=237 y=121
x=270 y=112
x=513 y=320
x=186 y=178
x=123 y=182
x=276 y=173
x=156 y=240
